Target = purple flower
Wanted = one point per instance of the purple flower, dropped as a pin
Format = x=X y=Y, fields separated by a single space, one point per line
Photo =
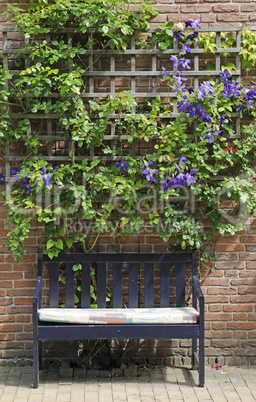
x=189 y=177
x=171 y=182
x=201 y=94
x=15 y=172
x=190 y=90
x=46 y=176
x=164 y=72
x=224 y=118
x=179 y=80
x=26 y=186
x=193 y=23
x=2 y=179
x=174 y=59
x=192 y=36
x=181 y=160
x=207 y=88
x=225 y=75
x=206 y=118
x=123 y=165
x=148 y=172
x=210 y=136
x=185 y=63
x=178 y=35
x=186 y=48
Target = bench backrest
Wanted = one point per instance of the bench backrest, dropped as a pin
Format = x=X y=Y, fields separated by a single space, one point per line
x=134 y=262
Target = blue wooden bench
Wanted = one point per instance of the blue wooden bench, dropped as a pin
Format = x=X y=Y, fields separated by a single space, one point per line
x=119 y=322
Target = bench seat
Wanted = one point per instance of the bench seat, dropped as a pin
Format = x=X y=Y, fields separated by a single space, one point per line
x=185 y=315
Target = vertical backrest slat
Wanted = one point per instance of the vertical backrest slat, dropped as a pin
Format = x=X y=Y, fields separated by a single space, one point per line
x=165 y=284
x=70 y=286
x=133 y=285
x=149 y=284
x=180 y=284
x=117 y=285
x=54 y=285
x=101 y=284
x=85 y=285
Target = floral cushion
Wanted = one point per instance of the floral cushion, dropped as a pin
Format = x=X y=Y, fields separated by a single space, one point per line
x=184 y=315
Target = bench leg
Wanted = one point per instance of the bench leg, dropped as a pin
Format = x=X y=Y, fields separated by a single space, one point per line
x=194 y=352
x=35 y=364
x=40 y=352
x=201 y=361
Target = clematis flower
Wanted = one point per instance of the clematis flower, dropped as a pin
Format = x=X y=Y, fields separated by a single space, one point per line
x=174 y=59
x=225 y=75
x=191 y=23
x=178 y=35
x=201 y=94
x=15 y=172
x=181 y=160
x=186 y=48
x=123 y=165
x=179 y=80
x=185 y=63
x=26 y=186
x=148 y=172
x=224 y=118
x=164 y=72
x=189 y=178
x=210 y=137
x=2 y=179
x=46 y=176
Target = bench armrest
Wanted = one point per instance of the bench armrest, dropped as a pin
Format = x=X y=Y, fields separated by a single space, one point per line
x=37 y=298
x=197 y=288
x=198 y=294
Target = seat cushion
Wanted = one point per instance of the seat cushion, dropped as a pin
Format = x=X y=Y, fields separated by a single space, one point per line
x=182 y=315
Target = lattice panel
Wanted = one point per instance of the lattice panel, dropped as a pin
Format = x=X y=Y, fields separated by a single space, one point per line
x=137 y=70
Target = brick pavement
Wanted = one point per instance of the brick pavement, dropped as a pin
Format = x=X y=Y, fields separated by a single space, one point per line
x=154 y=384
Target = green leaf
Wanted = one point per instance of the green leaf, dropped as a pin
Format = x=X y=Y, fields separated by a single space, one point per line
x=69 y=242
x=50 y=243
x=59 y=244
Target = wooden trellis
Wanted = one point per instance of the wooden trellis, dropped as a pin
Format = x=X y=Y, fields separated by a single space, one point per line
x=138 y=70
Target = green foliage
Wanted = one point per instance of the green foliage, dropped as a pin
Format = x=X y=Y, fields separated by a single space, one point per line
x=228 y=40
x=85 y=198
x=248 y=51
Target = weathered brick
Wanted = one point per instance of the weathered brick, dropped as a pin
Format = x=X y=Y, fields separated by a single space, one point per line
x=229 y=247
x=199 y=8
x=218 y=334
x=218 y=317
x=182 y=17
x=226 y=8
x=233 y=17
x=218 y=325
x=247 y=290
x=248 y=7
x=11 y=328
x=221 y=291
x=238 y=308
x=240 y=317
x=166 y=9
x=243 y=299
x=241 y=325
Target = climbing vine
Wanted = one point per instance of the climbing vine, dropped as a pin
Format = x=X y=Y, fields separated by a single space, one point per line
x=191 y=165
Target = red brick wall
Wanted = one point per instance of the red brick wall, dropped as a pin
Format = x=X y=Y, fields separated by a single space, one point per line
x=230 y=290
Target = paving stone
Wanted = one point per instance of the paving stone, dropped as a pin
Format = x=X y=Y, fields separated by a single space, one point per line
x=158 y=385
x=66 y=372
